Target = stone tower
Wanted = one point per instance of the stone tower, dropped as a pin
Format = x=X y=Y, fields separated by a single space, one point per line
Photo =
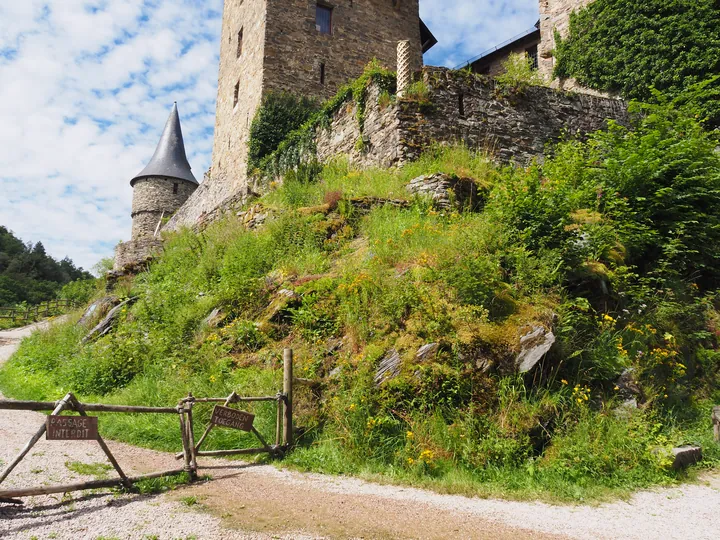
x=307 y=47
x=554 y=15
x=165 y=184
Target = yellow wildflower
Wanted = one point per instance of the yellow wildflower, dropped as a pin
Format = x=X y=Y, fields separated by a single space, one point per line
x=563 y=381
x=410 y=435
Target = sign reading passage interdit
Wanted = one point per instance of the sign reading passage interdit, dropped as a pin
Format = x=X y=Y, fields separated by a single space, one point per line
x=232 y=418
x=72 y=428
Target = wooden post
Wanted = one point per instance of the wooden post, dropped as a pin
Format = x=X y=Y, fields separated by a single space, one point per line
x=716 y=423
x=184 y=437
x=35 y=438
x=288 y=391
x=191 y=441
x=279 y=424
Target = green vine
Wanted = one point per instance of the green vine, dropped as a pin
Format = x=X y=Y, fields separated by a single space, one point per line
x=299 y=147
x=632 y=47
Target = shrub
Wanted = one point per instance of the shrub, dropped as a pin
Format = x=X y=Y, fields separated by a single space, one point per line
x=518 y=73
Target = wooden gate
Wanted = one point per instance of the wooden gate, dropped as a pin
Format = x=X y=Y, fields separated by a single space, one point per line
x=57 y=427
x=226 y=416
x=84 y=427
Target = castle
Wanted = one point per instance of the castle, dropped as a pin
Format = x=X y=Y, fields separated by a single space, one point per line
x=311 y=47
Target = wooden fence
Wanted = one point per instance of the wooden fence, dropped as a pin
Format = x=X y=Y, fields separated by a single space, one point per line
x=33 y=313
x=67 y=428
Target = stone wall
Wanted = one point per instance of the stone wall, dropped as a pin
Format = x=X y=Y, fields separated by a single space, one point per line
x=154 y=197
x=129 y=256
x=378 y=144
x=232 y=121
x=361 y=31
x=511 y=126
x=516 y=127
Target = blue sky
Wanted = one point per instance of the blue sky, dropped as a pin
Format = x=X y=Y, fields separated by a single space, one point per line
x=86 y=87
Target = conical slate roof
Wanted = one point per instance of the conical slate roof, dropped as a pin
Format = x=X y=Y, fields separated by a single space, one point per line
x=169 y=159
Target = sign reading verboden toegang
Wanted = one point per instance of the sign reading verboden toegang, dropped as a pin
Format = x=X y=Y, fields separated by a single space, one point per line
x=72 y=428
x=232 y=418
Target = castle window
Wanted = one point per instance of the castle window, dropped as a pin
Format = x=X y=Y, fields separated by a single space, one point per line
x=240 y=42
x=175 y=188
x=461 y=105
x=532 y=53
x=322 y=73
x=323 y=19
x=236 y=98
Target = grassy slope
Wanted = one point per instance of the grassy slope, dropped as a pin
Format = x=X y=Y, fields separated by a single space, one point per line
x=403 y=277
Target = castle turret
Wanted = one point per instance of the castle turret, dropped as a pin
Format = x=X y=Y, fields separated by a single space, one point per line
x=165 y=184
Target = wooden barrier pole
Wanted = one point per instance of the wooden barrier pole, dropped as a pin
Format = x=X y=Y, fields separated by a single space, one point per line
x=279 y=423
x=92 y=484
x=288 y=391
x=191 y=440
x=11 y=404
x=35 y=438
x=184 y=437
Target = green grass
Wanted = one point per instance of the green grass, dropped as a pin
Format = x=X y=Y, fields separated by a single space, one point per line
x=543 y=251
x=98 y=470
x=162 y=484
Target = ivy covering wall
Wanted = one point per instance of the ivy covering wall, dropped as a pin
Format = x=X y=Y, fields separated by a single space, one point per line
x=280 y=114
x=631 y=47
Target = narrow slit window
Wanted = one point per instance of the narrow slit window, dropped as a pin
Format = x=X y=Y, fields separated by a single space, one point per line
x=240 y=43
x=461 y=105
x=322 y=73
x=175 y=188
x=236 y=97
x=323 y=19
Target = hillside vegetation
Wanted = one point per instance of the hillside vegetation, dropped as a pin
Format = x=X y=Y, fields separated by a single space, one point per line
x=613 y=243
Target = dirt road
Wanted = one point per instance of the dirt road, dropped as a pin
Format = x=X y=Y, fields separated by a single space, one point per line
x=245 y=501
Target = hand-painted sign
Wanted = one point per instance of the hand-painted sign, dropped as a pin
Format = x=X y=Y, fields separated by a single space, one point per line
x=71 y=428
x=232 y=418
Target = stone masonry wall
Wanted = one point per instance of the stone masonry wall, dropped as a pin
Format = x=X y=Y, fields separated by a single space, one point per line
x=361 y=31
x=516 y=127
x=130 y=255
x=377 y=145
x=513 y=128
x=154 y=196
x=203 y=204
x=232 y=121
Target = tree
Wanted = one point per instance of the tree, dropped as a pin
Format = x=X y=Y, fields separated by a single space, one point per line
x=29 y=274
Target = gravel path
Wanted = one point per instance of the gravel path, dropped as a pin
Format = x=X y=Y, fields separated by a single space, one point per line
x=245 y=501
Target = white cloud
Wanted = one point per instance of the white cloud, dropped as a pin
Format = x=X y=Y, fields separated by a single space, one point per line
x=86 y=87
